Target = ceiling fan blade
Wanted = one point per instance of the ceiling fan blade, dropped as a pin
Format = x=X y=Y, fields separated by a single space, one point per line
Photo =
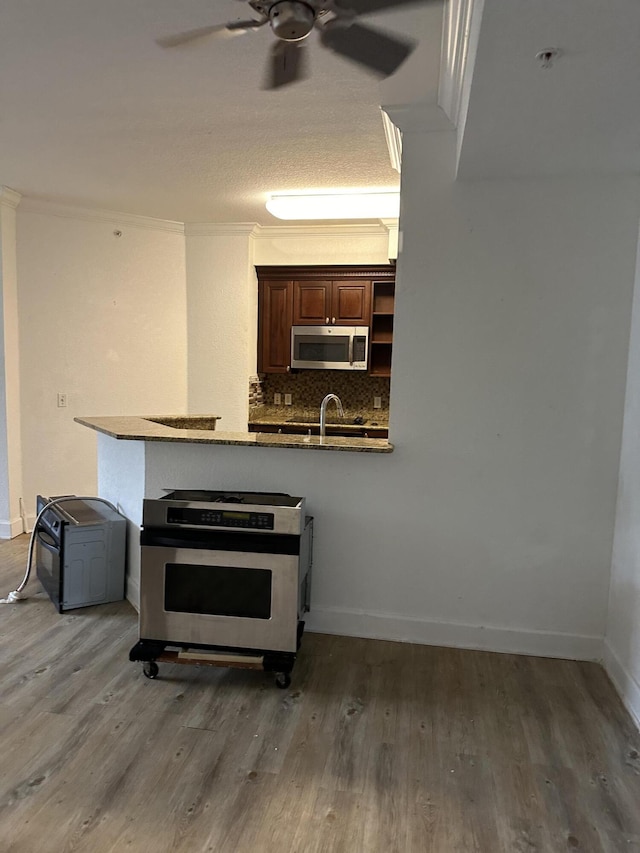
x=362 y=7
x=236 y=28
x=287 y=64
x=246 y=26
x=377 y=50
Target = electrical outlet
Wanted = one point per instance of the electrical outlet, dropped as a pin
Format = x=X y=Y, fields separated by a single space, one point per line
x=377 y=402
x=277 y=399
x=62 y=401
x=287 y=399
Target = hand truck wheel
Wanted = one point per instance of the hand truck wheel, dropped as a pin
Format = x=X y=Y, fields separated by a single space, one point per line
x=283 y=680
x=150 y=669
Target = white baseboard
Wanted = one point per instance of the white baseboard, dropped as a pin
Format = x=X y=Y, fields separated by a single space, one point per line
x=626 y=685
x=380 y=626
x=10 y=528
x=133 y=593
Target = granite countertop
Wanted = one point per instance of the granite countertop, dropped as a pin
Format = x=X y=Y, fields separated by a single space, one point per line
x=143 y=428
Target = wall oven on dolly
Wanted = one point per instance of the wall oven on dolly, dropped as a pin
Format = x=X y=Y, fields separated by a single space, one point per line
x=225 y=579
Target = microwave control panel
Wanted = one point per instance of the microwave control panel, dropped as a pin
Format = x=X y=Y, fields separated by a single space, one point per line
x=220 y=518
x=359 y=348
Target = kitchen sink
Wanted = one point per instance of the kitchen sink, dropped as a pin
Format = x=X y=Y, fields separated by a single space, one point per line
x=187 y=422
x=334 y=421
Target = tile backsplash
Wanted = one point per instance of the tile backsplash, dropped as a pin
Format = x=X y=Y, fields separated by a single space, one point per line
x=308 y=387
x=256 y=395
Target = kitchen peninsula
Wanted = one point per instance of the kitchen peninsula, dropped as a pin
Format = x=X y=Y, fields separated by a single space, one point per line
x=142 y=457
x=187 y=430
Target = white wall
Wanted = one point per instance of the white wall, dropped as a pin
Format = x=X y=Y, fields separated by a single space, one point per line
x=10 y=445
x=102 y=319
x=512 y=320
x=122 y=481
x=221 y=298
x=622 y=649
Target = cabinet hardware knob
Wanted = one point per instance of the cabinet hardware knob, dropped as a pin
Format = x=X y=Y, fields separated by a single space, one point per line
x=327 y=321
x=333 y=321
x=288 y=368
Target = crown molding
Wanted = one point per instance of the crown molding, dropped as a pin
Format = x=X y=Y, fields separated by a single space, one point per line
x=348 y=272
x=393 y=231
x=9 y=197
x=48 y=208
x=220 y=229
x=419 y=118
x=393 y=136
x=273 y=232
x=460 y=30
x=250 y=230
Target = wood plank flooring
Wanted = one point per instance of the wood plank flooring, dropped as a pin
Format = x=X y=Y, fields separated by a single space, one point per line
x=376 y=747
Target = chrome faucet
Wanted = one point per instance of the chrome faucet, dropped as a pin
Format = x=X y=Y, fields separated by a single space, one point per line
x=323 y=411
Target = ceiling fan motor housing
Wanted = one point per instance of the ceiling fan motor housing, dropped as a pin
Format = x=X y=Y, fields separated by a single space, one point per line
x=291 y=20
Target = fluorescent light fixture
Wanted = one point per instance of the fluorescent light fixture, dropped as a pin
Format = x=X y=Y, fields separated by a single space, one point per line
x=335 y=204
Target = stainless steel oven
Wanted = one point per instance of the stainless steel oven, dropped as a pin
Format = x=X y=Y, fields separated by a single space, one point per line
x=224 y=570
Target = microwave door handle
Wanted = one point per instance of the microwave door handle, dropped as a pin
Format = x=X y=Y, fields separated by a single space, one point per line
x=350 y=349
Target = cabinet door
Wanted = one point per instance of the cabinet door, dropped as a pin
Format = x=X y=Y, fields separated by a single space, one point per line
x=311 y=303
x=274 y=326
x=351 y=303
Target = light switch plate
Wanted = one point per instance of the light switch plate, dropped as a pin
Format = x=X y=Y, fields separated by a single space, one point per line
x=287 y=399
x=377 y=402
x=277 y=399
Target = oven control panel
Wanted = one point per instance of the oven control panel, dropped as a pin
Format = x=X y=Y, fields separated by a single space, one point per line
x=206 y=517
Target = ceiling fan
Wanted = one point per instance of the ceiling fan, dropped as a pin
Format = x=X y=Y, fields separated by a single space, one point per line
x=291 y=21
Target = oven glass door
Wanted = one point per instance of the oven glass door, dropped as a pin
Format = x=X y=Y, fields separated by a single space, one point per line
x=48 y=565
x=234 y=599
x=218 y=590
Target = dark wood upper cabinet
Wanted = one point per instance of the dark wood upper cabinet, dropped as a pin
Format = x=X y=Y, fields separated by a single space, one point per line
x=341 y=295
x=311 y=303
x=331 y=303
x=275 y=313
x=350 y=303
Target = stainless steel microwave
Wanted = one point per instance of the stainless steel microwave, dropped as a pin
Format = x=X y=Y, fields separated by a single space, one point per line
x=330 y=347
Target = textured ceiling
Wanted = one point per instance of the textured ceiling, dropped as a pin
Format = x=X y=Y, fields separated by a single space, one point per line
x=93 y=112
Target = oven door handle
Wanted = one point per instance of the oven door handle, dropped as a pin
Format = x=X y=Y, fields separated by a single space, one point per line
x=47 y=541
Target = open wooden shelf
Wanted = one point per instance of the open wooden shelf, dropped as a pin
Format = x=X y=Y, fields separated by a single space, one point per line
x=383 y=297
x=380 y=362
x=382 y=328
x=381 y=339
